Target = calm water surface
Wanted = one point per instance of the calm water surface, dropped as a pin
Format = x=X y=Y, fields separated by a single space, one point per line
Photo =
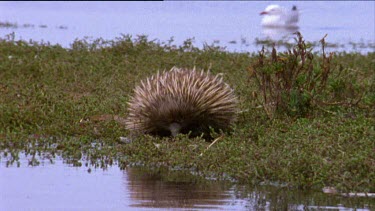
x=234 y=24
x=59 y=186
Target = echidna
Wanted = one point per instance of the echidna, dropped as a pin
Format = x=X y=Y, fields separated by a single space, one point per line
x=181 y=101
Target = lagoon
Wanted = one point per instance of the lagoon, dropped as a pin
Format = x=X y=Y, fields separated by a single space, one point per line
x=60 y=186
x=234 y=25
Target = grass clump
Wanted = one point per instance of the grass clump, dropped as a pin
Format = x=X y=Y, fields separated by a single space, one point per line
x=295 y=82
x=72 y=102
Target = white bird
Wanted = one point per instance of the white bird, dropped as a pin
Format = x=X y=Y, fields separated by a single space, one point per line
x=277 y=16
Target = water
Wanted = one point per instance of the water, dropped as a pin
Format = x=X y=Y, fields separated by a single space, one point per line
x=235 y=25
x=59 y=186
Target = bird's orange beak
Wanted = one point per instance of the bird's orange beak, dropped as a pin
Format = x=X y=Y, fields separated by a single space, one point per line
x=263 y=13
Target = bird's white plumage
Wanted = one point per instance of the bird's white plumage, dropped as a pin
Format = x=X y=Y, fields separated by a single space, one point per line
x=277 y=16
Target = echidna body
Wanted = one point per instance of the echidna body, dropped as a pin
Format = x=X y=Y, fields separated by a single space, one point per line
x=181 y=101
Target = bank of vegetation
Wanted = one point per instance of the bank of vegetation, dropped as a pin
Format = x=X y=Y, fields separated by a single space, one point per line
x=306 y=120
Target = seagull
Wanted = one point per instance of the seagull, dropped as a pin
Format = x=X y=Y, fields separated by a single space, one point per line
x=277 y=16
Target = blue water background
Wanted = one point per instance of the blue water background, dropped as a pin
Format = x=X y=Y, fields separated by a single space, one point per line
x=205 y=21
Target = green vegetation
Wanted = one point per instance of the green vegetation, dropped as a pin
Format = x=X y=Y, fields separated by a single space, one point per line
x=72 y=102
x=8 y=24
x=355 y=46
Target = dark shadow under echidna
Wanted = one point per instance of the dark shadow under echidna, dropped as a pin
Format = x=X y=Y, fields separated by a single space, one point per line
x=182 y=101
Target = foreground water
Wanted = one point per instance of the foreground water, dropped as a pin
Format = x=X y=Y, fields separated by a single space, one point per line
x=59 y=186
x=235 y=25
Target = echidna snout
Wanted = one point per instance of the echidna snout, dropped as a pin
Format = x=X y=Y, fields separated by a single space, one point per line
x=181 y=101
x=175 y=128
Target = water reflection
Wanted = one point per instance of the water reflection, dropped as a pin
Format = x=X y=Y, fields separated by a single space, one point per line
x=150 y=189
x=60 y=186
x=279 y=33
x=274 y=198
